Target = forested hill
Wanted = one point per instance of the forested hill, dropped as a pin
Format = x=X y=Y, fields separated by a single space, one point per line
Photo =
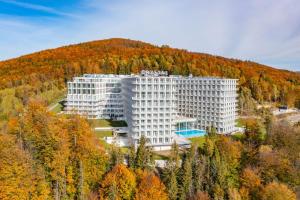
x=44 y=70
x=48 y=156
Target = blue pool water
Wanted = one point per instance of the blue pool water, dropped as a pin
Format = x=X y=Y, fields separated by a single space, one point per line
x=191 y=133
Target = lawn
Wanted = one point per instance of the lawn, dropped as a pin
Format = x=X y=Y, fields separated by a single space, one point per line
x=107 y=123
x=58 y=108
x=104 y=144
x=102 y=134
x=198 y=141
x=240 y=122
x=158 y=156
x=238 y=136
x=125 y=150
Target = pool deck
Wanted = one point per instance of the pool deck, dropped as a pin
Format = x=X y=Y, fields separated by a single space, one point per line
x=191 y=133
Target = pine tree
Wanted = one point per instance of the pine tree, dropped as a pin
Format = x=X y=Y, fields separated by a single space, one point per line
x=199 y=169
x=144 y=155
x=170 y=172
x=186 y=177
x=131 y=157
x=172 y=186
x=116 y=156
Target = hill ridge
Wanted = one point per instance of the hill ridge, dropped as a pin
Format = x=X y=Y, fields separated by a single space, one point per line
x=124 y=56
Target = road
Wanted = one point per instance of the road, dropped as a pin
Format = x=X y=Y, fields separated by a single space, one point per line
x=280 y=112
x=51 y=107
x=293 y=119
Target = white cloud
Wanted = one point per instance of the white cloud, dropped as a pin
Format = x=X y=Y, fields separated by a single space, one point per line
x=263 y=31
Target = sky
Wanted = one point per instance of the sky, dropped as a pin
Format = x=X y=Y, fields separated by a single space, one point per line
x=264 y=31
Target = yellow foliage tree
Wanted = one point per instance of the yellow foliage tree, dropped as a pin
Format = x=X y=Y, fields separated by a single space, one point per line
x=118 y=184
x=277 y=191
x=150 y=187
x=19 y=177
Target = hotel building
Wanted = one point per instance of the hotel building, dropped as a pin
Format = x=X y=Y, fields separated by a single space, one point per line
x=155 y=104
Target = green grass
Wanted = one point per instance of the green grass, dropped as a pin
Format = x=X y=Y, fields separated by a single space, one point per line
x=238 y=136
x=57 y=99
x=125 y=150
x=240 y=122
x=58 y=108
x=102 y=134
x=107 y=123
x=104 y=144
x=198 y=141
x=157 y=156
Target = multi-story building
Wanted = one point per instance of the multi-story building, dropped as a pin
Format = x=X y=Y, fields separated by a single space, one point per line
x=155 y=104
x=212 y=101
x=96 y=96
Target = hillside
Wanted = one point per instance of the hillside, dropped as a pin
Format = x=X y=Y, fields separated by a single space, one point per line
x=44 y=73
x=50 y=156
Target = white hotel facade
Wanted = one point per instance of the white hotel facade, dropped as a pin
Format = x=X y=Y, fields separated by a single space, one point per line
x=155 y=104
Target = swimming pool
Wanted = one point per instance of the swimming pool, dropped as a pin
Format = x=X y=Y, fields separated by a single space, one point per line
x=191 y=133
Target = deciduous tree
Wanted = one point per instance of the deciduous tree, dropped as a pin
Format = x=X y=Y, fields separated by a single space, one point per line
x=119 y=183
x=150 y=187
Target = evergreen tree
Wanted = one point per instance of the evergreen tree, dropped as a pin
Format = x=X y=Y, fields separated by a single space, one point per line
x=172 y=186
x=131 y=157
x=199 y=169
x=170 y=172
x=116 y=156
x=144 y=155
x=186 y=175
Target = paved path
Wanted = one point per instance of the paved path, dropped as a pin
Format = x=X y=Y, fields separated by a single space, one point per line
x=293 y=119
x=280 y=112
x=110 y=128
x=52 y=106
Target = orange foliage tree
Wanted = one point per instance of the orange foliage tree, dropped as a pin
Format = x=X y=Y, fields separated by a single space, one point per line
x=277 y=191
x=20 y=178
x=119 y=183
x=150 y=187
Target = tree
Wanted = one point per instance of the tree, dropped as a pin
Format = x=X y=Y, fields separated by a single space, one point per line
x=119 y=183
x=150 y=187
x=233 y=194
x=170 y=172
x=217 y=165
x=250 y=183
x=172 y=186
x=144 y=155
x=87 y=161
x=254 y=137
x=131 y=157
x=186 y=175
x=116 y=156
x=20 y=177
x=280 y=161
x=65 y=148
x=199 y=170
x=48 y=143
x=230 y=154
x=277 y=191
x=297 y=103
x=200 y=196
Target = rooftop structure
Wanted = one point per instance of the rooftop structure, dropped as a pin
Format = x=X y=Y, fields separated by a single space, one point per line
x=155 y=104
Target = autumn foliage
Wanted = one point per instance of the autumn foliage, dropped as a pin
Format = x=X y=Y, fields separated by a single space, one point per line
x=150 y=187
x=49 y=70
x=63 y=150
x=119 y=183
x=48 y=156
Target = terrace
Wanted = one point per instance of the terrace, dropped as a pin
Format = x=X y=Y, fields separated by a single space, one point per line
x=185 y=127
